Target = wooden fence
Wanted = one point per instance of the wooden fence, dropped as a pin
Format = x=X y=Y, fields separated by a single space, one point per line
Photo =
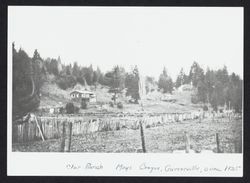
x=42 y=127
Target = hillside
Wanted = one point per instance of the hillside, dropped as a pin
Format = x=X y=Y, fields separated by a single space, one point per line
x=153 y=102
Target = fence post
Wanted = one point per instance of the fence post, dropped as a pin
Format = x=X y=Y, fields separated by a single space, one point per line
x=68 y=139
x=38 y=126
x=187 y=142
x=142 y=137
x=63 y=138
x=218 y=143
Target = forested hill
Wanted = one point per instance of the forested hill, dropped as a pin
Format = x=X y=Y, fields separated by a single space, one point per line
x=214 y=87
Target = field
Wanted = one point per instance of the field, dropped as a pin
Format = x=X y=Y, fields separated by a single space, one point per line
x=53 y=96
x=163 y=138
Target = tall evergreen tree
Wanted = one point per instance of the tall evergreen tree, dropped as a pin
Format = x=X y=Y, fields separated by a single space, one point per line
x=222 y=75
x=196 y=74
x=165 y=82
x=132 y=84
x=54 y=67
x=209 y=80
x=116 y=78
x=25 y=92
x=39 y=70
x=181 y=79
x=76 y=70
x=36 y=55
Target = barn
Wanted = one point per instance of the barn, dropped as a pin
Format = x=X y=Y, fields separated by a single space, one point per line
x=80 y=95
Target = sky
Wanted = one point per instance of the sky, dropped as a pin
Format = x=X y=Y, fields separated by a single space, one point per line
x=149 y=37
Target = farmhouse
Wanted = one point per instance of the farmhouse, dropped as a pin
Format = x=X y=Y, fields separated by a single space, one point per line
x=83 y=95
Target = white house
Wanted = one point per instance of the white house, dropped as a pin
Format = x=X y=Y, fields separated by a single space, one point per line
x=83 y=94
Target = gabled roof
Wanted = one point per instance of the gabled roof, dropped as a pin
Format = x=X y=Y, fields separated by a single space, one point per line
x=82 y=92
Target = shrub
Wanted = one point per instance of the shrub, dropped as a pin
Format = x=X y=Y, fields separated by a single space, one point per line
x=84 y=104
x=65 y=82
x=205 y=108
x=120 y=105
x=70 y=108
x=111 y=104
x=62 y=84
x=61 y=110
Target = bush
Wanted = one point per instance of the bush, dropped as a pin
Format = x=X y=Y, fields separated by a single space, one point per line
x=84 y=104
x=66 y=82
x=111 y=104
x=70 y=108
x=205 y=108
x=61 y=110
x=62 y=85
x=120 y=105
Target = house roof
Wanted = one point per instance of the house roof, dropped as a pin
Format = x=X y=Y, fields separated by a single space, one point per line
x=82 y=92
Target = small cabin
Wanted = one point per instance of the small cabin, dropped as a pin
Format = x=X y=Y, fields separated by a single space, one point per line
x=83 y=95
x=185 y=87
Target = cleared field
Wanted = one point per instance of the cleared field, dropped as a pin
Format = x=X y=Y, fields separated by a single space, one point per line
x=52 y=95
x=162 y=138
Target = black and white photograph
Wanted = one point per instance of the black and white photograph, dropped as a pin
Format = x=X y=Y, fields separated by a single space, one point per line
x=126 y=81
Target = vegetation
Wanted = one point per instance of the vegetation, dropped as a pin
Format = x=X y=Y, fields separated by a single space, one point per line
x=218 y=88
x=213 y=87
x=119 y=105
x=165 y=82
x=65 y=82
x=70 y=108
x=132 y=84
x=181 y=79
x=111 y=104
x=27 y=81
x=116 y=81
x=84 y=104
x=150 y=84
